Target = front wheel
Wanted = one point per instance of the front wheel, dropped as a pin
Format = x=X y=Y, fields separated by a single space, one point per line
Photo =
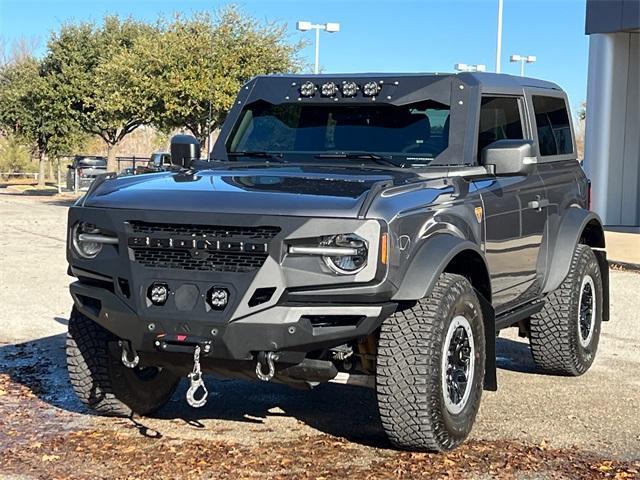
x=102 y=382
x=430 y=368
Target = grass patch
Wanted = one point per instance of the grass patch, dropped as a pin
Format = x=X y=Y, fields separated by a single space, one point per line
x=34 y=189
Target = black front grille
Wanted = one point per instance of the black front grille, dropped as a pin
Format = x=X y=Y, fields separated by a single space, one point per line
x=183 y=260
x=200 y=247
x=216 y=231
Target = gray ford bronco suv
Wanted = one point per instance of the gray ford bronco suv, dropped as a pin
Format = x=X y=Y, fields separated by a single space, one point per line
x=376 y=230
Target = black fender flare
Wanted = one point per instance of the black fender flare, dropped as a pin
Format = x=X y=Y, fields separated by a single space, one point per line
x=572 y=226
x=427 y=264
x=429 y=261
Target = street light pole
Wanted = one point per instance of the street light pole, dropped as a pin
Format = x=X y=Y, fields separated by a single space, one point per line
x=522 y=59
x=463 y=67
x=328 y=27
x=499 y=40
x=316 y=65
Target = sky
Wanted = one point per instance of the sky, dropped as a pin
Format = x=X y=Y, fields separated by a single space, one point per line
x=375 y=35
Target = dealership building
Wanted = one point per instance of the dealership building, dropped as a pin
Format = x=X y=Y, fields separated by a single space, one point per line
x=612 y=139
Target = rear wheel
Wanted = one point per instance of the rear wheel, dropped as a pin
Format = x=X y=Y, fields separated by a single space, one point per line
x=102 y=382
x=566 y=332
x=430 y=368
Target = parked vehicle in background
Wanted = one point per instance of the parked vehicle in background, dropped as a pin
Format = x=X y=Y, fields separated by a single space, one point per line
x=87 y=167
x=159 y=162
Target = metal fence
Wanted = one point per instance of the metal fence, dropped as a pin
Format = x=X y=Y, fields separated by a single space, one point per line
x=129 y=164
x=67 y=178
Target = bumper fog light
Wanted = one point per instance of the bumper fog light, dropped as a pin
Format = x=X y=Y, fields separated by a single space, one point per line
x=217 y=298
x=158 y=293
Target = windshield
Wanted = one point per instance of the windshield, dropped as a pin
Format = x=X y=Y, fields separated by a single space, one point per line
x=92 y=162
x=418 y=132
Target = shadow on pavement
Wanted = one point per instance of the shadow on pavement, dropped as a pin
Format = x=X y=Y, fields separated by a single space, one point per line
x=338 y=410
x=514 y=356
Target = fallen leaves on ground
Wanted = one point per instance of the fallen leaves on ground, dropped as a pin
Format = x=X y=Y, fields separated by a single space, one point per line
x=41 y=441
x=120 y=455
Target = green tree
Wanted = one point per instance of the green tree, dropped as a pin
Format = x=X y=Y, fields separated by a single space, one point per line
x=31 y=110
x=103 y=100
x=191 y=69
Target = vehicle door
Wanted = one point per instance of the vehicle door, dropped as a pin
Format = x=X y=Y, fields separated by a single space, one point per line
x=557 y=159
x=514 y=213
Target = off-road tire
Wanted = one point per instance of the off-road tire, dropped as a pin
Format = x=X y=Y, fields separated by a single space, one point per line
x=409 y=368
x=102 y=382
x=555 y=331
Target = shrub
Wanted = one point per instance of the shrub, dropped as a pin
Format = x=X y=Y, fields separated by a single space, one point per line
x=15 y=157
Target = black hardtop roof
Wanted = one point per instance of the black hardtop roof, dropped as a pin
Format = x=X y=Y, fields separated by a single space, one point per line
x=484 y=79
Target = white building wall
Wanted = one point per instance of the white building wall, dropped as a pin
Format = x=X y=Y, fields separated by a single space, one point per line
x=612 y=138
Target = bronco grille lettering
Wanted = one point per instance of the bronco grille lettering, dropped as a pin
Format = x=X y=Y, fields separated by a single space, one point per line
x=200 y=247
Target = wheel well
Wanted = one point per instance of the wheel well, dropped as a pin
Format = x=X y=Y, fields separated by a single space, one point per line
x=593 y=234
x=470 y=265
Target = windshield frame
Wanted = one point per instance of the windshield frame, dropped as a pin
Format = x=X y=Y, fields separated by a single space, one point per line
x=324 y=126
x=407 y=89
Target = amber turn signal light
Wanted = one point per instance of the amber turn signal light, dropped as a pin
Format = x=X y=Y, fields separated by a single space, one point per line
x=384 y=248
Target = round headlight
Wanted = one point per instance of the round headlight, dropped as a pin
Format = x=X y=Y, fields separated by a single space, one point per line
x=85 y=249
x=347 y=264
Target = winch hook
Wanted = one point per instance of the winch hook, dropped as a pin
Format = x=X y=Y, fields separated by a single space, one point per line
x=269 y=358
x=196 y=383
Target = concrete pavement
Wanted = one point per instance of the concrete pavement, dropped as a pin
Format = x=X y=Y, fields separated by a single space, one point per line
x=597 y=413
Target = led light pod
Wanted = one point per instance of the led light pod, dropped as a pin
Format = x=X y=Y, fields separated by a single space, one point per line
x=371 y=89
x=328 y=89
x=218 y=297
x=349 y=89
x=307 y=89
x=158 y=294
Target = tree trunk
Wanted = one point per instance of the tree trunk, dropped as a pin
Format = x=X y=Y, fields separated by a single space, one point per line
x=112 y=163
x=42 y=169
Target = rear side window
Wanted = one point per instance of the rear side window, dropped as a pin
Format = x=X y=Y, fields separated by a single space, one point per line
x=499 y=119
x=552 y=122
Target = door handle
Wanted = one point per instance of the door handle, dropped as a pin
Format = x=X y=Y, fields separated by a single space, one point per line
x=539 y=203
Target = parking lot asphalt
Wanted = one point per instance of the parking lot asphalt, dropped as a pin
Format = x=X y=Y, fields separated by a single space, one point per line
x=591 y=422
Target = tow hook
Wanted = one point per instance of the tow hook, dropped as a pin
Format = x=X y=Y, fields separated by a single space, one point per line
x=196 y=383
x=130 y=358
x=267 y=358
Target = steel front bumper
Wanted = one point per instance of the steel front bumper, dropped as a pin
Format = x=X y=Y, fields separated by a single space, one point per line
x=280 y=328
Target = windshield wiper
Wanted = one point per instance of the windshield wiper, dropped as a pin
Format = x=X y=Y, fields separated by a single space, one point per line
x=257 y=154
x=381 y=159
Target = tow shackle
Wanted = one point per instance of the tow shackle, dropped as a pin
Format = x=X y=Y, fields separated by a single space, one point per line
x=266 y=359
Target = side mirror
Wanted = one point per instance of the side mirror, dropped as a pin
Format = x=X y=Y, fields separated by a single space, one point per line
x=510 y=157
x=184 y=149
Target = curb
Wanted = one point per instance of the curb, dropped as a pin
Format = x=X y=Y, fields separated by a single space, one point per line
x=634 y=267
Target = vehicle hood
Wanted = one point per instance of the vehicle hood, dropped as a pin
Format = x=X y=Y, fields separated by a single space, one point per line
x=297 y=191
